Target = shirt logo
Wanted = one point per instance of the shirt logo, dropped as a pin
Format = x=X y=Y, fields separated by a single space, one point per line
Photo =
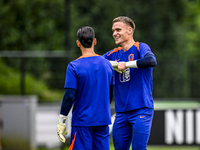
x=142 y=116
x=125 y=76
x=131 y=57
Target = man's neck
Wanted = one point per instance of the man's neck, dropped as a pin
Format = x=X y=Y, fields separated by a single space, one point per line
x=126 y=46
x=88 y=51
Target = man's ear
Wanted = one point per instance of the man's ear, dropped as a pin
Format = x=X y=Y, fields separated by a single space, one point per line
x=78 y=43
x=95 y=41
x=130 y=30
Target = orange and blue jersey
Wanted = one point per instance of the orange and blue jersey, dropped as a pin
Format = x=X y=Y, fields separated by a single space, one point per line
x=91 y=76
x=133 y=88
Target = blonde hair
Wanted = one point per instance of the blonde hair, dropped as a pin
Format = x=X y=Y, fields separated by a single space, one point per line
x=128 y=21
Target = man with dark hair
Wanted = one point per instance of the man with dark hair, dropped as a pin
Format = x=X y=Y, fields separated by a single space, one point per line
x=134 y=62
x=89 y=88
x=86 y=36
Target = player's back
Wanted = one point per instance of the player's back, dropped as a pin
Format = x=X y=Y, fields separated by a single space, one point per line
x=92 y=103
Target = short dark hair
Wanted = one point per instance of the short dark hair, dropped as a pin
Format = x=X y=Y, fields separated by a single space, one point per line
x=86 y=36
x=125 y=20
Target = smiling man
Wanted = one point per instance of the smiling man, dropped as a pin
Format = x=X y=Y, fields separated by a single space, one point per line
x=134 y=62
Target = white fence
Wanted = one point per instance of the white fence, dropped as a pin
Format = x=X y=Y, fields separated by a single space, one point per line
x=25 y=124
x=46 y=126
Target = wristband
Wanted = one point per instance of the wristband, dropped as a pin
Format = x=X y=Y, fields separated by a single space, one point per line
x=131 y=64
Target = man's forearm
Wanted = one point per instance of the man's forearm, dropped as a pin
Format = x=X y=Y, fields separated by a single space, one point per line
x=148 y=61
x=67 y=101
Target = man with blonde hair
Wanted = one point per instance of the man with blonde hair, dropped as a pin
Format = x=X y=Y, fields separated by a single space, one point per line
x=133 y=62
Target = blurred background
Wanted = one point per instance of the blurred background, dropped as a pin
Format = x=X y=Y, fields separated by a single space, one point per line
x=38 y=40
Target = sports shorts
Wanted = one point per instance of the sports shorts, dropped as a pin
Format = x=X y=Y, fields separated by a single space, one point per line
x=90 y=138
x=132 y=127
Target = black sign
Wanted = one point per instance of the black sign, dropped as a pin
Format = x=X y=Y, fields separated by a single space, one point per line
x=175 y=127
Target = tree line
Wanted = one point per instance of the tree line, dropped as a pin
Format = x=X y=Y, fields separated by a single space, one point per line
x=170 y=28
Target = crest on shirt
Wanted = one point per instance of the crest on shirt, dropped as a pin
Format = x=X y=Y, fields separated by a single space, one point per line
x=131 y=57
x=125 y=76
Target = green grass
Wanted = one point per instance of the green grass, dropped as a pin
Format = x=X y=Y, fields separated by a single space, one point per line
x=153 y=148
x=150 y=147
x=175 y=104
x=173 y=148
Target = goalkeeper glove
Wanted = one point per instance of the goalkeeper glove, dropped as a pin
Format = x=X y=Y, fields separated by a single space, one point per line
x=61 y=128
x=115 y=67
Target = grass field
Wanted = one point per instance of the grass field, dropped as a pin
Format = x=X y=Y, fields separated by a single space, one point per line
x=173 y=148
x=154 y=148
x=150 y=147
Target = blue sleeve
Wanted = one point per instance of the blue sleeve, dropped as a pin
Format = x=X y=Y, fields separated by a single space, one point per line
x=67 y=101
x=144 y=49
x=108 y=55
x=70 y=78
x=149 y=60
x=105 y=55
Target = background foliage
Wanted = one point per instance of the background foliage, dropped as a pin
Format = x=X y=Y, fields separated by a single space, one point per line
x=170 y=28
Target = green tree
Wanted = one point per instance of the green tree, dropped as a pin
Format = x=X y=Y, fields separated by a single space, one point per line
x=192 y=26
x=32 y=25
x=171 y=28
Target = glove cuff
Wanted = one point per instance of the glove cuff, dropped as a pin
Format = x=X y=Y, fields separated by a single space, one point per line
x=113 y=63
x=62 y=118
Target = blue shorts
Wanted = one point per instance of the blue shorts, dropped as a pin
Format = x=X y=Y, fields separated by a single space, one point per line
x=132 y=126
x=90 y=138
